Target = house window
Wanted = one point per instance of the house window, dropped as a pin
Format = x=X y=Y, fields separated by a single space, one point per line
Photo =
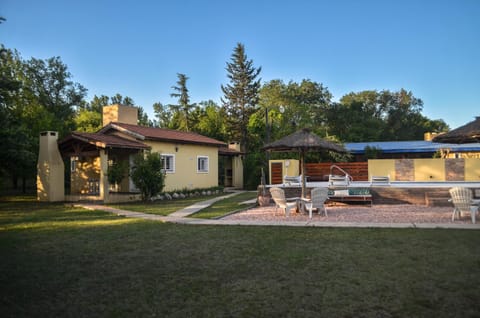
x=202 y=164
x=168 y=163
x=73 y=164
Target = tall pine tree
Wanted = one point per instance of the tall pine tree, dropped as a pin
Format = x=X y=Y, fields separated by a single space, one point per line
x=183 y=108
x=240 y=95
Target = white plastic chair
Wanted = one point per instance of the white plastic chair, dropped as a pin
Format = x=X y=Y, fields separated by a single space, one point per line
x=462 y=200
x=278 y=196
x=318 y=197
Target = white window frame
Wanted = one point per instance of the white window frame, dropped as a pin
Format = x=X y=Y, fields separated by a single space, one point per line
x=206 y=162
x=172 y=168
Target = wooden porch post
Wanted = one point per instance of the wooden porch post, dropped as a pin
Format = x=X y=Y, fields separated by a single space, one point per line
x=104 y=186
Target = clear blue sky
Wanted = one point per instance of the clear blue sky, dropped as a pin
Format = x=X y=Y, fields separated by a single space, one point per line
x=136 y=48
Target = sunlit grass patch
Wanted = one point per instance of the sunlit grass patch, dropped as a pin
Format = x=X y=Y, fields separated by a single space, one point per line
x=225 y=206
x=163 y=207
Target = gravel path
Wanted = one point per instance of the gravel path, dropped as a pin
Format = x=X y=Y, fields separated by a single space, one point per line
x=404 y=213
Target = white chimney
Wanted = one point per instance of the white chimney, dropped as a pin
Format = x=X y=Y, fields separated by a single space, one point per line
x=50 y=169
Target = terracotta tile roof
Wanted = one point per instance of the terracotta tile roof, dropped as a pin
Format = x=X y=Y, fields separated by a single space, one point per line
x=104 y=141
x=162 y=134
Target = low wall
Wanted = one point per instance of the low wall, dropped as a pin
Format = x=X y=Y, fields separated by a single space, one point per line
x=430 y=170
x=428 y=196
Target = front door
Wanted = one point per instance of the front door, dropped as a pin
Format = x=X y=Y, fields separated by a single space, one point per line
x=277 y=172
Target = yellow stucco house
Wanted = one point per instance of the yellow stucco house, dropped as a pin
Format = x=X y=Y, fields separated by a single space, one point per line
x=190 y=160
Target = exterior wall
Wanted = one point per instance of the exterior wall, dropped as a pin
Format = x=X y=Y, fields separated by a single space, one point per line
x=237 y=166
x=381 y=167
x=237 y=172
x=434 y=170
x=472 y=169
x=120 y=113
x=429 y=169
x=50 y=169
x=86 y=170
x=186 y=174
x=291 y=168
x=454 y=169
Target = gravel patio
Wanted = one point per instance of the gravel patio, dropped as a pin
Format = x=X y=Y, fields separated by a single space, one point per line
x=403 y=213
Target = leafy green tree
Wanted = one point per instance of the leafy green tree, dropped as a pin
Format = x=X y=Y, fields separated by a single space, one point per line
x=240 y=95
x=380 y=116
x=162 y=114
x=88 y=120
x=40 y=96
x=357 y=117
x=117 y=172
x=147 y=174
x=211 y=120
x=294 y=105
x=51 y=94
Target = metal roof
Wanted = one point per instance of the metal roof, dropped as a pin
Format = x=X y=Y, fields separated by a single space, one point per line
x=415 y=146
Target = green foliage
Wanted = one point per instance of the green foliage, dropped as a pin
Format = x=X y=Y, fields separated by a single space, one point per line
x=117 y=172
x=181 y=111
x=380 y=116
x=147 y=174
x=240 y=95
x=210 y=120
x=35 y=95
x=372 y=152
x=88 y=120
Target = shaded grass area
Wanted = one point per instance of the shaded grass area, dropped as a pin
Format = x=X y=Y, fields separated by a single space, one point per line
x=163 y=207
x=63 y=261
x=226 y=206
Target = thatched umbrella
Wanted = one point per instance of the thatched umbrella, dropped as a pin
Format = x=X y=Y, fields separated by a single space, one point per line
x=464 y=134
x=303 y=141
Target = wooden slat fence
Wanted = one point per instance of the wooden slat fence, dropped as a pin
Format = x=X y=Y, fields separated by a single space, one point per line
x=320 y=171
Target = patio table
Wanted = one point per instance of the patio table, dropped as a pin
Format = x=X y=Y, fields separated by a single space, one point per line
x=305 y=204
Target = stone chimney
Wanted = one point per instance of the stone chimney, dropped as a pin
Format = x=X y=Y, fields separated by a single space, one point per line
x=120 y=114
x=50 y=169
x=234 y=145
x=428 y=136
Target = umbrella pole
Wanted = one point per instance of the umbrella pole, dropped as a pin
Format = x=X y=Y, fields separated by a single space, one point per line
x=302 y=155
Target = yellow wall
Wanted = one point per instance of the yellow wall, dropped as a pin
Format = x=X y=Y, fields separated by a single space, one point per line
x=381 y=168
x=472 y=169
x=86 y=168
x=291 y=168
x=424 y=169
x=237 y=172
x=429 y=169
x=186 y=175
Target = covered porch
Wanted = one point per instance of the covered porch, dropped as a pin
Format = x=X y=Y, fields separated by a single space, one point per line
x=90 y=157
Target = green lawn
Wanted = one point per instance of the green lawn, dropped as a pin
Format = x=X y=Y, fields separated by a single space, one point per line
x=223 y=207
x=164 y=207
x=58 y=261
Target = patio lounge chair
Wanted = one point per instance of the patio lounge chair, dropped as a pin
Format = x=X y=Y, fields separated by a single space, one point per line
x=462 y=200
x=292 y=179
x=318 y=198
x=278 y=196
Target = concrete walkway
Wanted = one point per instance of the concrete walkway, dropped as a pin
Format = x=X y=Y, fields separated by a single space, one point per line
x=181 y=217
